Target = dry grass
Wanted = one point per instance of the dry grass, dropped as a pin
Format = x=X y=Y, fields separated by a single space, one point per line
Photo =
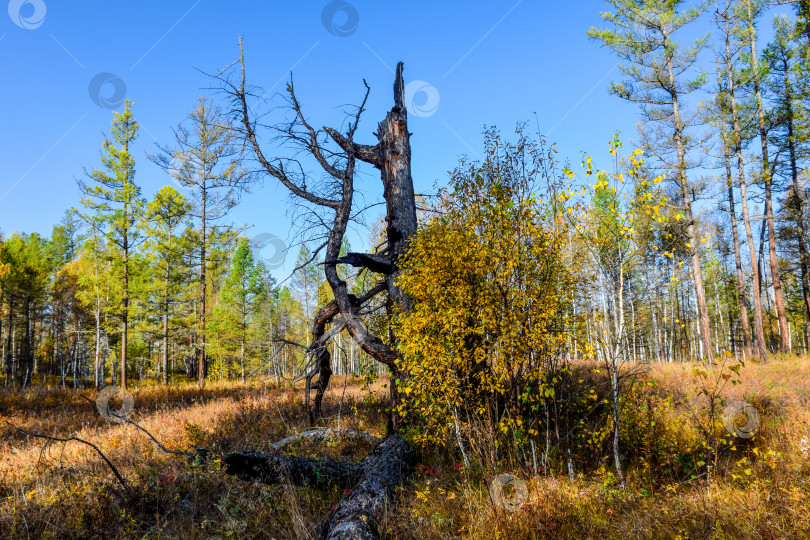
x=66 y=491
x=761 y=488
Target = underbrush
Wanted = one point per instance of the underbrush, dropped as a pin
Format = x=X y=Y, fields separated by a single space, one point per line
x=681 y=482
x=687 y=477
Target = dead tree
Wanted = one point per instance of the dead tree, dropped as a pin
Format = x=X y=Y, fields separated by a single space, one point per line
x=333 y=206
x=337 y=155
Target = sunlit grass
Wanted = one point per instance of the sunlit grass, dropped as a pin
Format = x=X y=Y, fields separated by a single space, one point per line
x=65 y=490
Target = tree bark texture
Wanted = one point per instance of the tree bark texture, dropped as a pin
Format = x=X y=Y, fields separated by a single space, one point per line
x=373 y=483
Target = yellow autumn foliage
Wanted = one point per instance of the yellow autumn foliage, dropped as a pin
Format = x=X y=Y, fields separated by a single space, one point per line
x=490 y=288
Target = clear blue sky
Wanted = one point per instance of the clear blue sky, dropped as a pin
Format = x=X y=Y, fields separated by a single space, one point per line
x=493 y=63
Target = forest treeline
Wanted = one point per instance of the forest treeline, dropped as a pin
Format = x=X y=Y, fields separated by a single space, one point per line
x=693 y=245
x=130 y=288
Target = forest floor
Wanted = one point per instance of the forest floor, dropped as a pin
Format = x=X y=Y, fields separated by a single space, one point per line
x=65 y=490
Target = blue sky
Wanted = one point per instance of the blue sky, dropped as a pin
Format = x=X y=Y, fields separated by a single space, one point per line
x=493 y=63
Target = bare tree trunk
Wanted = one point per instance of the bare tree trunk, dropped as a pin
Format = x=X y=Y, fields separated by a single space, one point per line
x=97 y=341
x=201 y=360
x=358 y=515
x=632 y=324
x=392 y=156
x=744 y=326
x=700 y=291
x=125 y=318
x=361 y=513
x=656 y=327
x=97 y=373
x=102 y=367
x=655 y=308
x=242 y=357
x=3 y=343
x=759 y=335
x=615 y=354
x=763 y=284
x=719 y=333
x=28 y=352
x=13 y=351
x=671 y=333
x=758 y=345
x=164 y=360
x=798 y=207
x=273 y=469
x=373 y=482
x=75 y=360
x=767 y=172
x=805 y=272
x=697 y=342
x=9 y=348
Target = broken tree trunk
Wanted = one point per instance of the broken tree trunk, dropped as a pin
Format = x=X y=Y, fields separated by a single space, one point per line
x=360 y=514
x=373 y=482
x=391 y=155
x=272 y=469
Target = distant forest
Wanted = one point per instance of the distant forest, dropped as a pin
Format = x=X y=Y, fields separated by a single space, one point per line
x=661 y=261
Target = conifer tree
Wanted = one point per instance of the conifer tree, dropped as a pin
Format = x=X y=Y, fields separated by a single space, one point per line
x=114 y=207
x=659 y=75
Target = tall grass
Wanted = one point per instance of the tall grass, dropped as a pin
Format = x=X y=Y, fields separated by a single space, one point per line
x=758 y=489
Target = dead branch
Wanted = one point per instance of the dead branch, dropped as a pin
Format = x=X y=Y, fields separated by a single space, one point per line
x=77 y=439
x=151 y=437
x=375 y=263
x=323 y=360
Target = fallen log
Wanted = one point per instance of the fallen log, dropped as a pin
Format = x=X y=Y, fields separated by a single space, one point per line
x=360 y=514
x=272 y=469
x=373 y=482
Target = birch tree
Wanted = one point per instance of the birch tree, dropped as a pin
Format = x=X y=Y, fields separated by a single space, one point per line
x=659 y=75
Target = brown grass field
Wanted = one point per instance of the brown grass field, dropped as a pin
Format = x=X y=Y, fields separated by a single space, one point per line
x=760 y=489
